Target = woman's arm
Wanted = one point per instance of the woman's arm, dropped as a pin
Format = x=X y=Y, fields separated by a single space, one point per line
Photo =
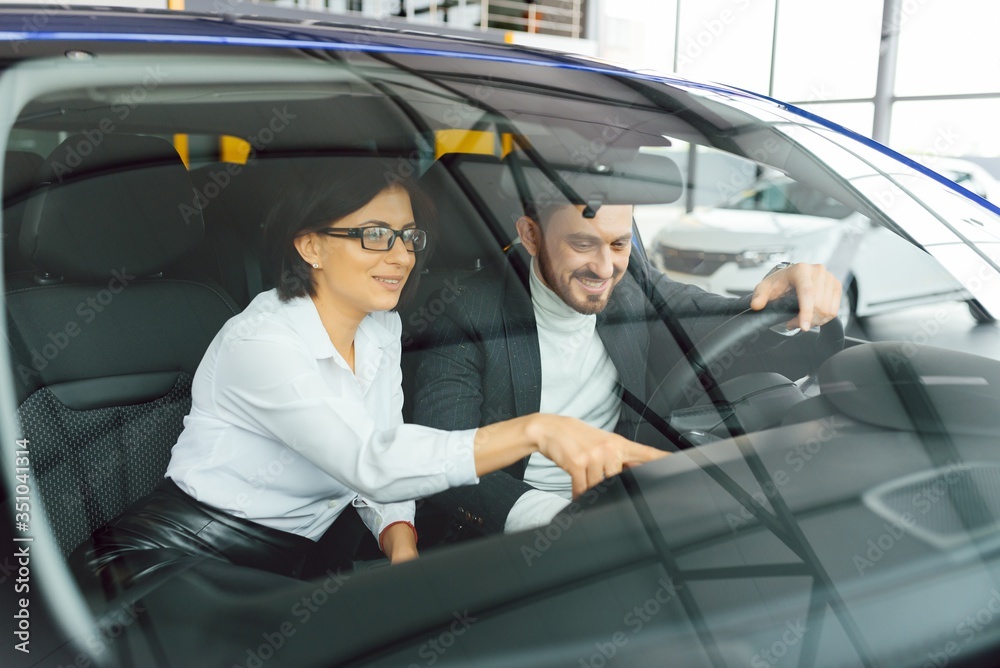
x=588 y=454
x=274 y=388
x=399 y=542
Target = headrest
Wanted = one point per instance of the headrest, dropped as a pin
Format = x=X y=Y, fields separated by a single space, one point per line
x=482 y=177
x=19 y=169
x=475 y=224
x=19 y=176
x=613 y=178
x=110 y=203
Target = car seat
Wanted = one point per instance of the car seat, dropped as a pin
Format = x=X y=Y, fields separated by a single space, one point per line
x=474 y=222
x=235 y=201
x=105 y=337
x=19 y=177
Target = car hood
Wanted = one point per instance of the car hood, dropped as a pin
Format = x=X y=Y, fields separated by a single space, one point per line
x=745 y=228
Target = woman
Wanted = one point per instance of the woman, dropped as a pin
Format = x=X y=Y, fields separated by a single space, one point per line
x=296 y=406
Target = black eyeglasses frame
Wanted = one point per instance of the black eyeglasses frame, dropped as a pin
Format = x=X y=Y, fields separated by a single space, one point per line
x=359 y=233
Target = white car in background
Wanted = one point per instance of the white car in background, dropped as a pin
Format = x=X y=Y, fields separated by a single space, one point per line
x=970 y=175
x=728 y=248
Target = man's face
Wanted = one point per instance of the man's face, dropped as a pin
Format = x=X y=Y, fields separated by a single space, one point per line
x=583 y=259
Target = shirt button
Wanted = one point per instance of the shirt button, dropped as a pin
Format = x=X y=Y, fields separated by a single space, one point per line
x=332 y=503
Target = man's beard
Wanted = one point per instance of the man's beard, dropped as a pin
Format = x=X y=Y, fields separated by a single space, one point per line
x=590 y=304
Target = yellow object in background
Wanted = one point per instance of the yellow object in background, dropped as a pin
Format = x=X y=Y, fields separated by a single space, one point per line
x=510 y=143
x=234 y=149
x=181 y=146
x=464 y=141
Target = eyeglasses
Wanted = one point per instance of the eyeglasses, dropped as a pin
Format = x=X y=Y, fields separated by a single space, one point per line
x=381 y=238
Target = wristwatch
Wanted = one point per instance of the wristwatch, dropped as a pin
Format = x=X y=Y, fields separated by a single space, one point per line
x=778 y=267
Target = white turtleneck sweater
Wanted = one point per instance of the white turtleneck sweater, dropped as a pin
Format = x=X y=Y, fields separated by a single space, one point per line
x=578 y=380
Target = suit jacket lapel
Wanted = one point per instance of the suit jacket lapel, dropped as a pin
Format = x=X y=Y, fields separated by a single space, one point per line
x=623 y=331
x=522 y=342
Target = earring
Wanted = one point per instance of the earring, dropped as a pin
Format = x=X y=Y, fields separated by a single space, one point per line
x=315 y=265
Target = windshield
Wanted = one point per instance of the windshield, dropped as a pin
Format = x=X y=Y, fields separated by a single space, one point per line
x=787 y=197
x=807 y=466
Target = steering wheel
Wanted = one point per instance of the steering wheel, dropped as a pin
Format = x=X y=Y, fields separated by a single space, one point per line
x=694 y=374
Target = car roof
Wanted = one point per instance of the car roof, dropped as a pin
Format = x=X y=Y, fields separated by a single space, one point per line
x=104 y=24
x=26 y=25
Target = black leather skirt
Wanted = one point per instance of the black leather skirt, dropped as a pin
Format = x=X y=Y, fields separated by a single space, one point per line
x=169 y=527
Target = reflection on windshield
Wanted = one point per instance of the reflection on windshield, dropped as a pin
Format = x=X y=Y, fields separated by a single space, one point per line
x=789 y=197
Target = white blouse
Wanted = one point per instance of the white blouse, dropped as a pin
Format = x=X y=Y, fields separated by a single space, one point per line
x=281 y=431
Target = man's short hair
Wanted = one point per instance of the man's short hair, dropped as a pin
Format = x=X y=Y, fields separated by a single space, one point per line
x=540 y=210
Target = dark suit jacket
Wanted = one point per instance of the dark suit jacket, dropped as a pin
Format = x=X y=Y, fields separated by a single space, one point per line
x=483 y=364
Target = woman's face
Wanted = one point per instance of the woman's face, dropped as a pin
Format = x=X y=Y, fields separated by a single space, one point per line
x=357 y=281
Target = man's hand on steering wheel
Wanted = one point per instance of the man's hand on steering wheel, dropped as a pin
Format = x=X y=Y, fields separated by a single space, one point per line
x=818 y=292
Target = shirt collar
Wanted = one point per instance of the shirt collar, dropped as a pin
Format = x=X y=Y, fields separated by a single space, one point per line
x=373 y=327
x=306 y=321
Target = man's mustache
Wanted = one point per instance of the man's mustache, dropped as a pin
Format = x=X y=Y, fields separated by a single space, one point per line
x=591 y=276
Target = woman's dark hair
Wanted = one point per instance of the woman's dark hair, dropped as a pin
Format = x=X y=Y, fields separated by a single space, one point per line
x=321 y=191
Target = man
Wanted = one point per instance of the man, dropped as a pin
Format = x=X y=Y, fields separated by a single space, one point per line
x=569 y=347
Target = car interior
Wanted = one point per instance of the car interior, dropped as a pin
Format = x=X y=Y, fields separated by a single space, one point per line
x=126 y=251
